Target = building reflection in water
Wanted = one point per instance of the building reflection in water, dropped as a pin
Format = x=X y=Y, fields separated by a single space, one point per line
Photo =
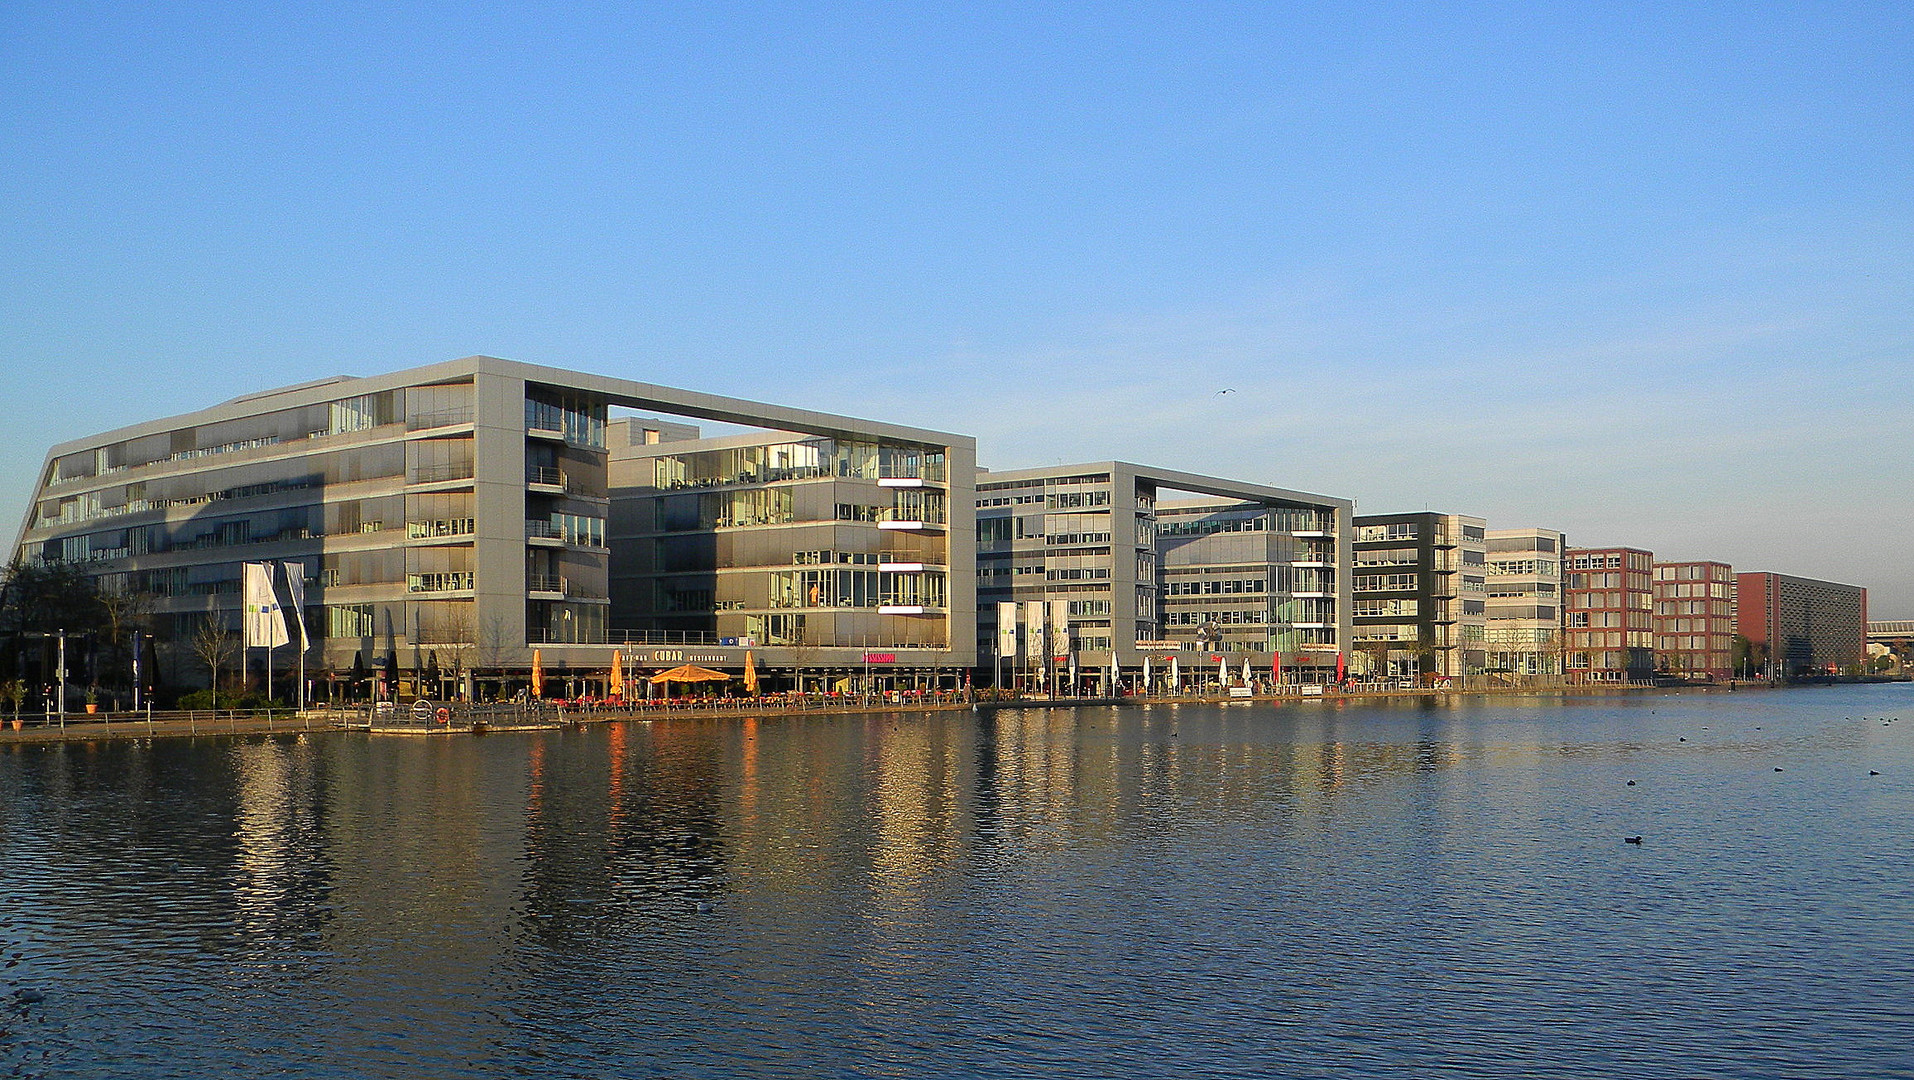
x=483 y=893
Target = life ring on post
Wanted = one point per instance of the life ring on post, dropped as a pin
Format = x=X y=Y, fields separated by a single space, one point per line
x=444 y=715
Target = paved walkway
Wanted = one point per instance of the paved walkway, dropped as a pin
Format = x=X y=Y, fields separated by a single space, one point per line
x=83 y=729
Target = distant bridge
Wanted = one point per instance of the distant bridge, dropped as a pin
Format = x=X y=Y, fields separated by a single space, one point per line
x=1896 y=635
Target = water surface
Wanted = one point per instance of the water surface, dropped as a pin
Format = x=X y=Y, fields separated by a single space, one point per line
x=1405 y=890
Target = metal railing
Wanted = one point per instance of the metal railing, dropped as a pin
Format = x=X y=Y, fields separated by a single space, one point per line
x=452 y=581
x=443 y=418
x=429 y=530
x=441 y=474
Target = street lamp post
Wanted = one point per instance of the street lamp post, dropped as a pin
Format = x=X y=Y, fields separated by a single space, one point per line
x=60 y=676
x=138 y=646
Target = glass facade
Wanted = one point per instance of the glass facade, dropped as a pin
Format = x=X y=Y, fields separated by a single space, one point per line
x=808 y=544
x=387 y=492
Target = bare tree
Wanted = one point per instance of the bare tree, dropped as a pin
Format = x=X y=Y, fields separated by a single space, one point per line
x=461 y=627
x=213 y=645
x=803 y=650
x=1376 y=652
x=124 y=614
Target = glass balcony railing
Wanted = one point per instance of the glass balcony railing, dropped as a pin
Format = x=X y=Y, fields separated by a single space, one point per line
x=450 y=581
x=433 y=530
x=442 y=474
x=445 y=418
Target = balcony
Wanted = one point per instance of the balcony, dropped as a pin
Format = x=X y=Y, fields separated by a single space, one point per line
x=552 y=587
x=435 y=420
x=452 y=529
x=448 y=582
x=900 y=566
x=458 y=473
x=547 y=481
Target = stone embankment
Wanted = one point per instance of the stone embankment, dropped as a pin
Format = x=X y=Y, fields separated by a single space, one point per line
x=82 y=728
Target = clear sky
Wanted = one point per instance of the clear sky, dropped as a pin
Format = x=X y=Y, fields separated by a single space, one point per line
x=1640 y=272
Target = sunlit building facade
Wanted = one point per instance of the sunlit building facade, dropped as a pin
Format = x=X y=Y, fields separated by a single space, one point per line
x=1419 y=591
x=1608 y=617
x=1801 y=625
x=1523 y=631
x=1244 y=572
x=453 y=516
x=1695 y=620
x=836 y=554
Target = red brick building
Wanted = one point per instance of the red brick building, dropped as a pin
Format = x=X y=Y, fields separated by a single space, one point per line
x=1608 y=628
x=1694 y=620
x=1801 y=626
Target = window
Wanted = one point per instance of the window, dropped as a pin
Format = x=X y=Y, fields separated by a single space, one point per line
x=1373 y=533
x=1375 y=608
x=1384 y=582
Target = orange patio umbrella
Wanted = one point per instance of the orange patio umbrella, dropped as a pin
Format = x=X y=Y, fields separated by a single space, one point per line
x=618 y=673
x=750 y=673
x=690 y=673
x=538 y=674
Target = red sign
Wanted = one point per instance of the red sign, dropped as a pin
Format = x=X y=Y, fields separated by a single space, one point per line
x=880 y=658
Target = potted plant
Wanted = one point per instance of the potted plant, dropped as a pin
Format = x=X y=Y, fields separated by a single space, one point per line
x=92 y=700
x=13 y=691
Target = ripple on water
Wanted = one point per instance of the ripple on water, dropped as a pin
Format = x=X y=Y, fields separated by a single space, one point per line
x=1306 y=891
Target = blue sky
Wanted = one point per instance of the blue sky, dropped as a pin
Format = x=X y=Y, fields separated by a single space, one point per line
x=1638 y=272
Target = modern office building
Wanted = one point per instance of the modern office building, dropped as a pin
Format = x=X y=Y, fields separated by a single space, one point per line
x=1608 y=617
x=1695 y=620
x=836 y=554
x=1243 y=573
x=453 y=515
x=1524 y=625
x=1802 y=626
x=1419 y=593
x=1264 y=579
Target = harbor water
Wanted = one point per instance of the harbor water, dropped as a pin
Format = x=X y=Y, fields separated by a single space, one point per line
x=1410 y=889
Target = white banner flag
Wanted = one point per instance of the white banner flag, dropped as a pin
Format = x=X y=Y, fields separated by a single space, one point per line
x=1035 y=637
x=296 y=588
x=265 y=623
x=1060 y=628
x=1007 y=630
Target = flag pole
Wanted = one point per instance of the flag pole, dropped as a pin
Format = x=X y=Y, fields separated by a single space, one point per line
x=271 y=590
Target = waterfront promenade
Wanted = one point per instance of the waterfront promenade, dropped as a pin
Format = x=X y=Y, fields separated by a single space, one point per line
x=83 y=728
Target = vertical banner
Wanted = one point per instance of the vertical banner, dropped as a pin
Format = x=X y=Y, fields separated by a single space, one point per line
x=296 y=589
x=265 y=625
x=1035 y=637
x=1007 y=630
x=1060 y=628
